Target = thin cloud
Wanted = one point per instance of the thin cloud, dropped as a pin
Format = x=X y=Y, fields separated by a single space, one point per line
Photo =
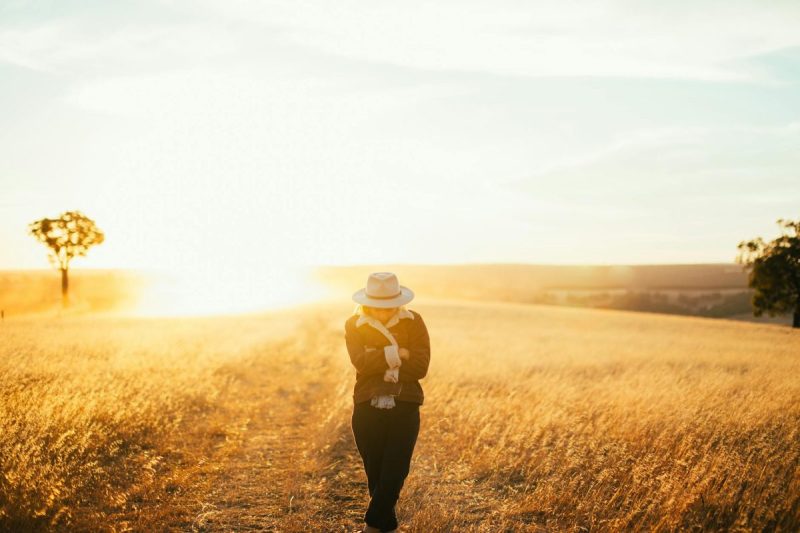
x=77 y=47
x=662 y=167
x=699 y=41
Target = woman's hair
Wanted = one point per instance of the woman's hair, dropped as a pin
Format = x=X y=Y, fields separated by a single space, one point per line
x=363 y=309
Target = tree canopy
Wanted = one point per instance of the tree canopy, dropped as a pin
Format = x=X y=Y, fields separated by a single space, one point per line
x=774 y=271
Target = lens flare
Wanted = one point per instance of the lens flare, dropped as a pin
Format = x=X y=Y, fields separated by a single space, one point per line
x=201 y=292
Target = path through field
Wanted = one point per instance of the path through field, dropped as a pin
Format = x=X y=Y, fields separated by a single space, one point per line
x=281 y=457
x=275 y=452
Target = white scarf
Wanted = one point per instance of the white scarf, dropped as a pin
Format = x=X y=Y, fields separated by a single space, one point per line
x=392 y=374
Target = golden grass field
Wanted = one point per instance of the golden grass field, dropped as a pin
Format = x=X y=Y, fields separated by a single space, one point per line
x=536 y=418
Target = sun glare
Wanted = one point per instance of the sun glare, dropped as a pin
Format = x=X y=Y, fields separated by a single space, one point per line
x=202 y=292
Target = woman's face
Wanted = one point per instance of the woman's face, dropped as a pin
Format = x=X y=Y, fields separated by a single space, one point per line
x=381 y=313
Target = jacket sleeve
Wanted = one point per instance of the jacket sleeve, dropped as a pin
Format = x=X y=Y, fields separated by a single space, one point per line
x=419 y=347
x=365 y=361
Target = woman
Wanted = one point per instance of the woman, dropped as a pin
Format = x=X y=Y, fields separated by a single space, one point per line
x=390 y=349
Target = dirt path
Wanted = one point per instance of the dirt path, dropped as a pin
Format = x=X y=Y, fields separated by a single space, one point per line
x=274 y=452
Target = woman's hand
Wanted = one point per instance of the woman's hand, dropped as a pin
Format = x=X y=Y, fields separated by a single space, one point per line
x=402 y=352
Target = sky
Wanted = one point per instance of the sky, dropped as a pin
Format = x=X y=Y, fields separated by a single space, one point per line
x=238 y=135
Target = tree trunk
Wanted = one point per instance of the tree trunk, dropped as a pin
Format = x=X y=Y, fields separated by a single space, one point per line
x=64 y=288
x=796 y=321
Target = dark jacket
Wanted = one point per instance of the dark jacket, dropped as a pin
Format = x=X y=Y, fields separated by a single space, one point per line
x=365 y=345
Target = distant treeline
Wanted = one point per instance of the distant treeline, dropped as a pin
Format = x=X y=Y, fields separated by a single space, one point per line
x=678 y=302
x=712 y=290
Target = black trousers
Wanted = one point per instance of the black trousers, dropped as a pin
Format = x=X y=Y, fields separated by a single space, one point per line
x=385 y=439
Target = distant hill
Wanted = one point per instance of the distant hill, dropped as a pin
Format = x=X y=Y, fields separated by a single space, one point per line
x=519 y=278
x=713 y=290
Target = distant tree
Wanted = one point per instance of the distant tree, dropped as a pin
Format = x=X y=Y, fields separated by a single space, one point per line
x=70 y=235
x=774 y=271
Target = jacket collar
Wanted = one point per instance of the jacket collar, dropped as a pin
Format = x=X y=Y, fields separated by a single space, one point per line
x=402 y=312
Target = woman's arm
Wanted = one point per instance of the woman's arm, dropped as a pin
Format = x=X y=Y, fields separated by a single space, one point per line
x=415 y=367
x=365 y=361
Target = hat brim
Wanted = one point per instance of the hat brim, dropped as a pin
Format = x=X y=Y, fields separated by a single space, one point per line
x=405 y=296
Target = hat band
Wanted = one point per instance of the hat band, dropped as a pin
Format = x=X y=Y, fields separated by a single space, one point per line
x=384 y=297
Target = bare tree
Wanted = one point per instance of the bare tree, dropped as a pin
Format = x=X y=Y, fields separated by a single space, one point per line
x=70 y=235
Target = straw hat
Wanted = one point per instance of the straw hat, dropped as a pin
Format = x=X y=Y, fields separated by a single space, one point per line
x=383 y=290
